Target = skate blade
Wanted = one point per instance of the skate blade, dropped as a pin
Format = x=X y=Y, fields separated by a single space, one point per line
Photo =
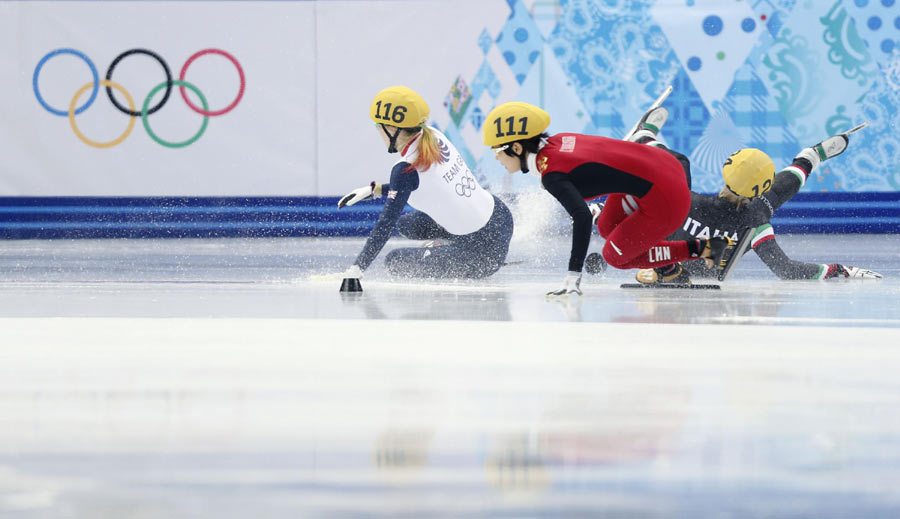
x=856 y=128
x=671 y=285
x=736 y=255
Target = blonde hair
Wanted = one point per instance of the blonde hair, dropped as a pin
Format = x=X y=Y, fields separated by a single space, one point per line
x=734 y=198
x=429 y=151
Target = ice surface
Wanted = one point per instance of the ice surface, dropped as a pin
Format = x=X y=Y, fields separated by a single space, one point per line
x=214 y=378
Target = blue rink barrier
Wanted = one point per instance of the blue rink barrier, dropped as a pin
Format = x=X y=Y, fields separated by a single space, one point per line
x=210 y=217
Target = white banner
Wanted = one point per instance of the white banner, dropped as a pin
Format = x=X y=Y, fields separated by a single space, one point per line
x=288 y=85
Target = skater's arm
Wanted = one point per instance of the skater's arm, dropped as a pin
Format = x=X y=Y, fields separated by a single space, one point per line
x=787 y=182
x=773 y=256
x=402 y=184
x=558 y=185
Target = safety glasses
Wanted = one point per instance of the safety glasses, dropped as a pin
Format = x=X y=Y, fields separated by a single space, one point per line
x=501 y=148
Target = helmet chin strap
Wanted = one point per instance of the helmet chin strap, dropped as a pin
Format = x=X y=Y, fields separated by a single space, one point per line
x=523 y=158
x=523 y=161
x=528 y=161
x=392 y=148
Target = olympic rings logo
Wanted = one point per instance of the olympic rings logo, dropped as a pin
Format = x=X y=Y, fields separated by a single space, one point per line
x=146 y=109
x=466 y=186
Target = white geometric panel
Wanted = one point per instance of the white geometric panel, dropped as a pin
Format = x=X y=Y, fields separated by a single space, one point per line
x=473 y=140
x=549 y=87
x=509 y=85
x=440 y=118
x=711 y=38
x=545 y=14
x=492 y=14
x=485 y=102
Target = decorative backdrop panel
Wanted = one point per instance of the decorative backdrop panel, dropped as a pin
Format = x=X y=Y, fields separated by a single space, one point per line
x=775 y=75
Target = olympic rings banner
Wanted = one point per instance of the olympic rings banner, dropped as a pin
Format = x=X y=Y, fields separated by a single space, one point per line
x=191 y=99
x=145 y=110
x=206 y=98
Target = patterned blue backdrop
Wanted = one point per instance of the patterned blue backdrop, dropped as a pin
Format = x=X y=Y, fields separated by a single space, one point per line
x=777 y=75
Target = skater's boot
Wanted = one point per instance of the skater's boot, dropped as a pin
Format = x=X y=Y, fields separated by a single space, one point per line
x=829 y=148
x=649 y=125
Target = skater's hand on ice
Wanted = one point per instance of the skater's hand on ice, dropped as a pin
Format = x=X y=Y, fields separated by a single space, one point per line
x=596 y=209
x=845 y=271
x=571 y=285
x=353 y=272
x=357 y=195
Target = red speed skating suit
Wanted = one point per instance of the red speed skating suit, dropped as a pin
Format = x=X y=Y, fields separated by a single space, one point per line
x=648 y=198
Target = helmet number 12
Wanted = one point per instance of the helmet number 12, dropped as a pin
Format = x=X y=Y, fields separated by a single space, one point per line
x=766 y=185
x=397 y=116
x=510 y=122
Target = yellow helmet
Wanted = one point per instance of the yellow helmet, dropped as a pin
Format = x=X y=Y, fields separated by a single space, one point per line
x=512 y=122
x=399 y=106
x=748 y=172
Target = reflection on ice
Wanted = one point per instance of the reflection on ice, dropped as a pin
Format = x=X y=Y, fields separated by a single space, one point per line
x=393 y=418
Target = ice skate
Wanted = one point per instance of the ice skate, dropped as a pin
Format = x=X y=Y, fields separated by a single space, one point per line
x=723 y=253
x=659 y=101
x=714 y=251
x=829 y=148
x=649 y=125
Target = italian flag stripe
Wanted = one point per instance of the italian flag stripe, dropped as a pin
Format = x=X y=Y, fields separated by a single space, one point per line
x=763 y=233
x=823 y=269
x=801 y=175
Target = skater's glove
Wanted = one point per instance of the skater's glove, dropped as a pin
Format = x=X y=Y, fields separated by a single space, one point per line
x=571 y=285
x=596 y=209
x=359 y=195
x=353 y=272
x=845 y=271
